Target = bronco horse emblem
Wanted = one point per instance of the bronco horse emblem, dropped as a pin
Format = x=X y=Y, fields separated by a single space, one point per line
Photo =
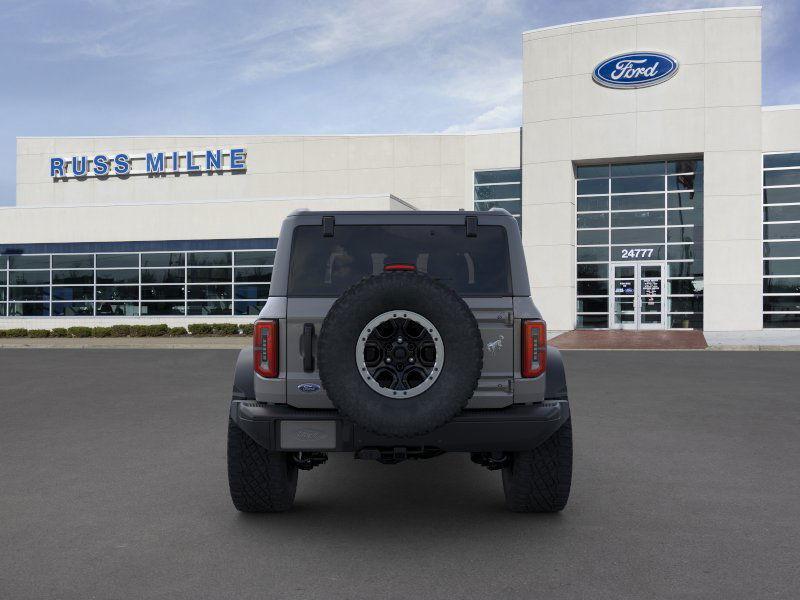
x=494 y=346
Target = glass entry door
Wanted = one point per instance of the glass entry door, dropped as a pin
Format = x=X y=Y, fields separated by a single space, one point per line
x=637 y=295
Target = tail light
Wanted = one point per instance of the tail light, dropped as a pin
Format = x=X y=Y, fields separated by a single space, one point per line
x=534 y=348
x=265 y=348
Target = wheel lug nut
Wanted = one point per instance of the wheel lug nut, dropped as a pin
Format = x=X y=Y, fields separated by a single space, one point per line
x=388 y=360
x=399 y=340
x=411 y=359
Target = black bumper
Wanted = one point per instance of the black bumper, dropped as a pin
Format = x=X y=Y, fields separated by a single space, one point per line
x=519 y=427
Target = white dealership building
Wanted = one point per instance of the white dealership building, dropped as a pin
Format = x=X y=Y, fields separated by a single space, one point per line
x=653 y=189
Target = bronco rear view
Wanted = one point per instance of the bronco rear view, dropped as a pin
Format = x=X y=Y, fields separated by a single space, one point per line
x=395 y=336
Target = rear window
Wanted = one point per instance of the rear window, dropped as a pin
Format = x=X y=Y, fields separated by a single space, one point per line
x=327 y=266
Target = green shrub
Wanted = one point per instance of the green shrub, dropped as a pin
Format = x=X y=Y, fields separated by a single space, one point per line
x=60 y=332
x=2 y=333
x=80 y=332
x=201 y=329
x=138 y=331
x=38 y=333
x=246 y=329
x=16 y=332
x=225 y=329
x=157 y=330
x=120 y=330
x=101 y=332
x=177 y=331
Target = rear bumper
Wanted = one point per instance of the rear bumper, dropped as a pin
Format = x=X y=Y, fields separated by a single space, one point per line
x=516 y=428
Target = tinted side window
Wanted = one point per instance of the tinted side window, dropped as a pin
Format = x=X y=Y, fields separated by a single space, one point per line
x=327 y=266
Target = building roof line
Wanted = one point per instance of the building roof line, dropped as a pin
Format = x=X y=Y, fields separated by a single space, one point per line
x=652 y=14
x=781 y=107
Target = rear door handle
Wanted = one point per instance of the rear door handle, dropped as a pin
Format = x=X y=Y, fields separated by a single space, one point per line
x=308 y=347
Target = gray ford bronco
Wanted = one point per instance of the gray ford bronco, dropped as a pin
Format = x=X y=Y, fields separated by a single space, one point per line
x=399 y=335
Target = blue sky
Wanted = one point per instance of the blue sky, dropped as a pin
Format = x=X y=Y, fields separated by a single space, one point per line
x=151 y=67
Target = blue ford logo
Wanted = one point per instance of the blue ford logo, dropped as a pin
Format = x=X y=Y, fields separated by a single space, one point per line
x=308 y=387
x=635 y=70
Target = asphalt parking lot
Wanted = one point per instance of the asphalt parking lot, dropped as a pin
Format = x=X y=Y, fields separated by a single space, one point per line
x=113 y=485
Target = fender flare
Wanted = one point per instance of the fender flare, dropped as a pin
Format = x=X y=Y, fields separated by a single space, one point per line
x=556 y=377
x=243 y=377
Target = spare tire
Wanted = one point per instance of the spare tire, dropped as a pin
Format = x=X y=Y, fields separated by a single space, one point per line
x=400 y=354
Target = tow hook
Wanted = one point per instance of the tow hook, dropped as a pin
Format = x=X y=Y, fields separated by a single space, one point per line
x=491 y=460
x=305 y=461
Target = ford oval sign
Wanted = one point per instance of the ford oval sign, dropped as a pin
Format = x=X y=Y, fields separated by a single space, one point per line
x=635 y=70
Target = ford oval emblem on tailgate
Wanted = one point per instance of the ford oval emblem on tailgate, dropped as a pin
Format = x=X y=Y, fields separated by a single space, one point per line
x=308 y=388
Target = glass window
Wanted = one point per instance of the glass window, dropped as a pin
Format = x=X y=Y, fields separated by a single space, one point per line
x=258 y=257
x=252 y=274
x=782 y=195
x=2 y=277
x=163 y=276
x=592 y=271
x=593 y=305
x=211 y=275
x=248 y=307
x=782 y=249
x=118 y=276
x=782 y=231
x=782 y=320
x=681 y=269
x=3 y=308
x=694 y=321
x=684 y=166
x=636 y=184
x=637 y=202
x=498 y=176
x=592 y=186
x=593 y=236
x=683 y=217
x=593 y=220
x=680 y=234
x=29 y=293
x=651 y=168
x=637 y=218
x=590 y=254
x=593 y=321
x=637 y=236
x=209 y=292
x=73 y=309
x=209 y=259
x=684 y=182
x=117 y=309
x=3 y=262
x=588 y=171
x=595 y=203
x=512 y=206
x=685 y=200
x=683 y=286
x=163 y=259
x=61 y=277
x=251 y=292
x=782 y=213
x=498 y=192
x=680 y=252
x=28 y=309
x=73 y=261
x=790 y=159
x=592 y=288
x=686 y=304
x=782 y=303
x=163 y=309
x=113 y=261
x=326 y=266
x=788 y=177
x=29 y=277
x=22 y=261
x=83 y=292
x=209 y=308
x=162 y=292
x=117 y=292
x=782 y=267
x=782 y=285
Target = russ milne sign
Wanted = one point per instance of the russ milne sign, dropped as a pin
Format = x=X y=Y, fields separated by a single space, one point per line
x=151 y=163
x=635 y=70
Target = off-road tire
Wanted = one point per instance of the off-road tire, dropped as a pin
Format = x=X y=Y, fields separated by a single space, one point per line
x=539 y=480
x=259 y=480
x=432 y=408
